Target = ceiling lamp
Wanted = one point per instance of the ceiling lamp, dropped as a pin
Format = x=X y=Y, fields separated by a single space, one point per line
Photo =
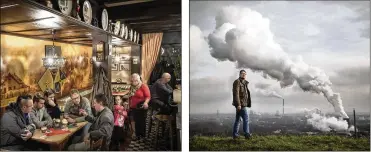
x=52 y=59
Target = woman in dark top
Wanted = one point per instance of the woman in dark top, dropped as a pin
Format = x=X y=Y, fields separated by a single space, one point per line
x=51 y=104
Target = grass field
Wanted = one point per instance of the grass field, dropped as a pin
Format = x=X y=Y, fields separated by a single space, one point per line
x=280 y=143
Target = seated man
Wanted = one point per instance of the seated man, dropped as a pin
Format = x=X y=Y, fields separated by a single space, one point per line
x=39 y=114
x=16 y=126
x=102 y=125
x=72 y=111
x=161 y=93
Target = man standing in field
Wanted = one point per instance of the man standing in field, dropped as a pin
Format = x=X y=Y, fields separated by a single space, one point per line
x=242 y=101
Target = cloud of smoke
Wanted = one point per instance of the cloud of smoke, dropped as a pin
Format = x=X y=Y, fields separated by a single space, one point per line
x=327 y=124
x=243 y=36
x=266 y=90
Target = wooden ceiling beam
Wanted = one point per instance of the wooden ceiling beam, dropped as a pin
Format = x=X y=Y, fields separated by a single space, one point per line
x=143 y=12
x=150 y=18
x=158 y=26
x=114 y=4
x=164 y=30
x=26 y=21
x=173 y=21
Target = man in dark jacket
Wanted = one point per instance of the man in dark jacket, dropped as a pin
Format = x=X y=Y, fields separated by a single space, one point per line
x=161 y=93
x=102 y=125
x=16 y=125
x=242 y=101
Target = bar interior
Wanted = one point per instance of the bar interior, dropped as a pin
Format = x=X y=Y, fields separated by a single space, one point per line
x=90 y=75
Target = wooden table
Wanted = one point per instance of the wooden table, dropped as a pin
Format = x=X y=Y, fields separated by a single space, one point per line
x=57 y=142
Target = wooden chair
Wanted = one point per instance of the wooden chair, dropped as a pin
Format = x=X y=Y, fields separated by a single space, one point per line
x=98 y=145
x=166 y=121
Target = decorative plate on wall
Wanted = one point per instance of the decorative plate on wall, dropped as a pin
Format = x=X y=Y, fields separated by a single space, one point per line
x=126 y=32
x=87 y=12
x=117 y=28
x=65 y=6
x=104 y=20
x=135 y=36
x=122 y=31
x=138 y=36
x=131 y=35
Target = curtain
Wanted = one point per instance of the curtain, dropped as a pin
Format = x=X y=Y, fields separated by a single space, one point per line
x=151 y=44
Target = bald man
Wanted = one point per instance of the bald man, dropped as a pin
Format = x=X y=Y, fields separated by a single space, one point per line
x=161 y=93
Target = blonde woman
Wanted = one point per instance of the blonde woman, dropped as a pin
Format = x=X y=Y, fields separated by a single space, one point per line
x=139 y=97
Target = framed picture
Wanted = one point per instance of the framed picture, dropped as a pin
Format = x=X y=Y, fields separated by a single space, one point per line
x=100 y=52
x=124 y=67
x=114 y=67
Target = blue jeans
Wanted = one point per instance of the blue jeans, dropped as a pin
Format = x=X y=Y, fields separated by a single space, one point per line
x=80 y=135
x=244 y=114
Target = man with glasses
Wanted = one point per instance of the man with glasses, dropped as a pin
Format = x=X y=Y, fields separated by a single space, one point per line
x=39 y=114
x=242 y=101
x=73 y=109
x=16 y=126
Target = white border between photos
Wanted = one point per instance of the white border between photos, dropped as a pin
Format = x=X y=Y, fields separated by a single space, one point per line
x=185 y=76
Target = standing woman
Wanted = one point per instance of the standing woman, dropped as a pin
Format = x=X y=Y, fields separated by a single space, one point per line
x=51 y=104
x=139 y=96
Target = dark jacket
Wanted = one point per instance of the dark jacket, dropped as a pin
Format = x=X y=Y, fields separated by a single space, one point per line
x=13 y=124
x=54 y=112
x=241 y=93
x=161 y=91
x=102 y=125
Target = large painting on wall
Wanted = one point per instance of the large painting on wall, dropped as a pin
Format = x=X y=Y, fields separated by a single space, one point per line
x=22 y=68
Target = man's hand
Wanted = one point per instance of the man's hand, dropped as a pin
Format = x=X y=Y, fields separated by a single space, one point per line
x=239 y=108
x=27 y=135
x=83 y=112
x=145 y=105
x=51 y=103
x=70 y=120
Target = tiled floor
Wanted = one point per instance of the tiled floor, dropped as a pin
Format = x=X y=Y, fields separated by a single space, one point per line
x=147 y=144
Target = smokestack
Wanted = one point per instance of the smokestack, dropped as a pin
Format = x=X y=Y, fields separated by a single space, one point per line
x=283 y=107
x=355 y=124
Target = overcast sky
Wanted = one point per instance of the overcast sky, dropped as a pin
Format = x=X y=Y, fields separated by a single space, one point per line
x=333 y=36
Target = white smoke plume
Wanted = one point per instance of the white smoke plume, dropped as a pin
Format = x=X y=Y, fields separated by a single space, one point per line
x=327 y=124
x=268 y=93
x=243 y=36
x=266 y=90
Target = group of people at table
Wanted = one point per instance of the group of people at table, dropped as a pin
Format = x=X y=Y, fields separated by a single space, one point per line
x=28 y=113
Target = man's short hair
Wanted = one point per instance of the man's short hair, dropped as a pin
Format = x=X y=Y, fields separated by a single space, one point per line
x=242 y=71
x=73 y=91
x=37 y=97
x=101 y=98
x=22 y=99
x=48 y=92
